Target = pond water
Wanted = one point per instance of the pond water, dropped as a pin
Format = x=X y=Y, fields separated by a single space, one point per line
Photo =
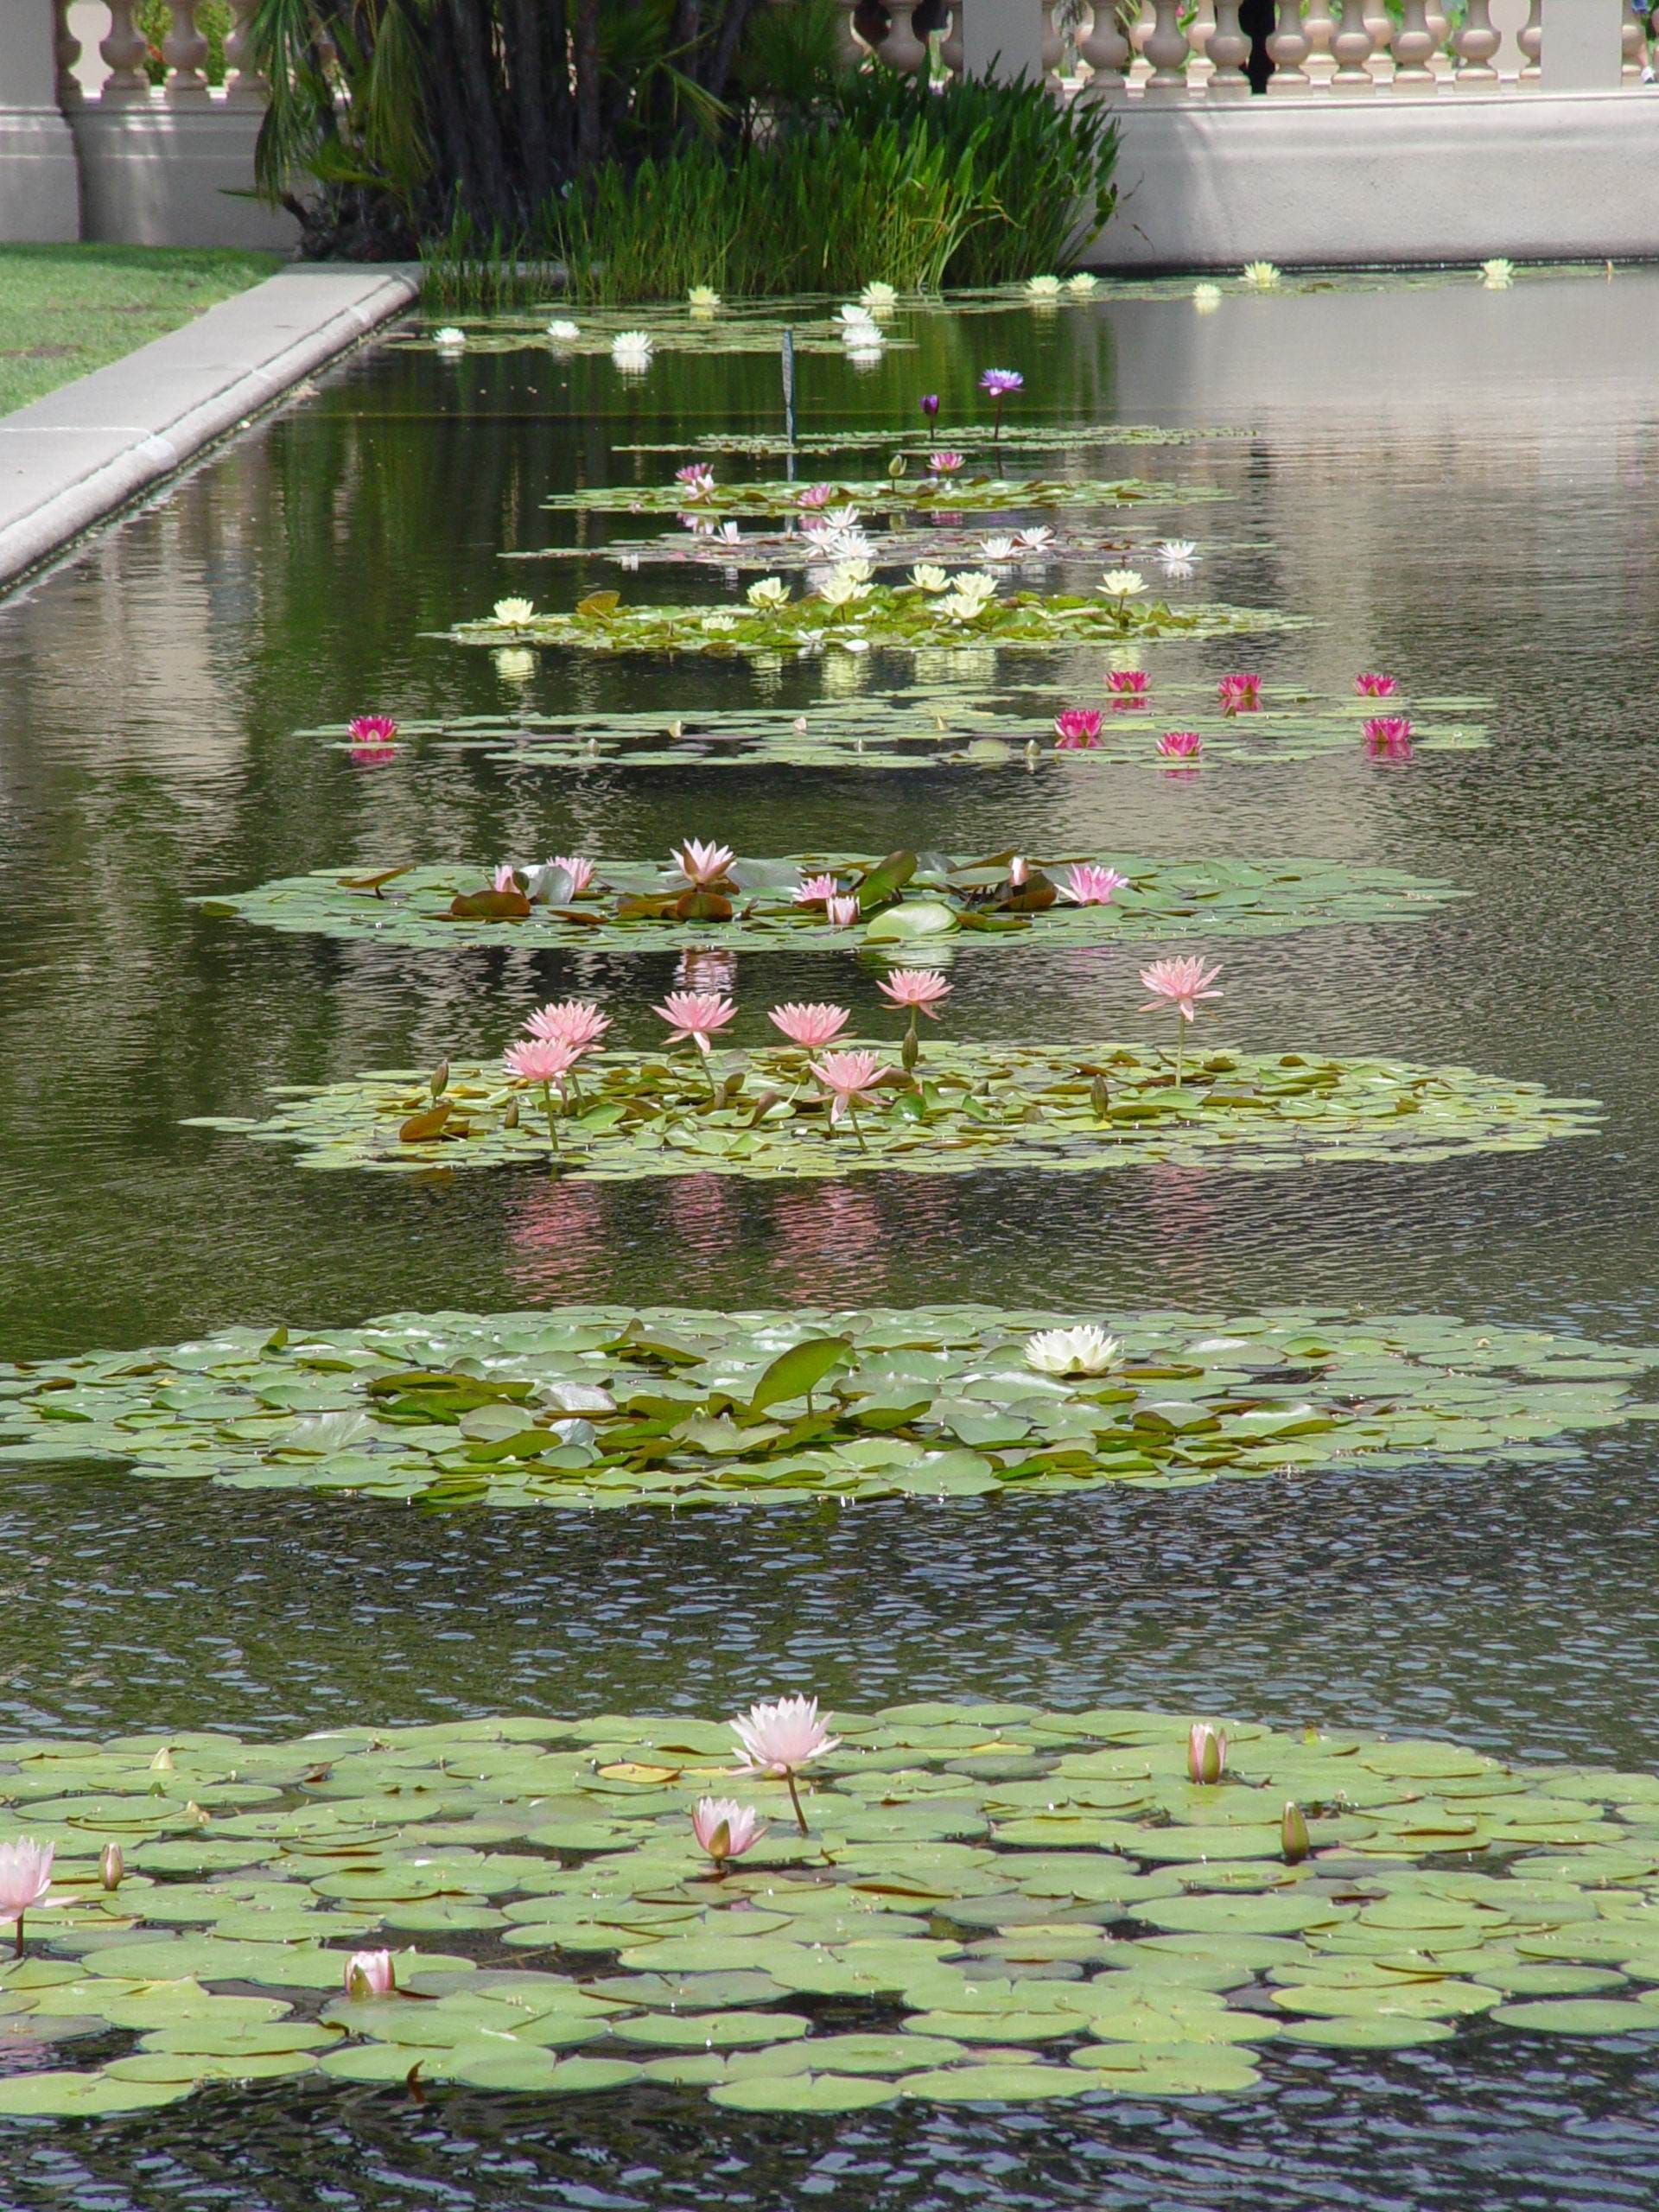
x=1456 y=485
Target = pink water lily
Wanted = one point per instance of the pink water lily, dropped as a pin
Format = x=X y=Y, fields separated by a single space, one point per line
x=815 y=890
x=1000 y=382
x=842 y=912
x=1180 y=745
x=811 y=1026
x=25 y=1879
x=726 y=1830
x=541 y=1060
x=923 y=989
x=1239 y=694
x=371 y=733
x=1370 y=686
x=1077 y=729
x=817 y=495
x=781 y=1737
x=1181 y=983
x=1019 y=869
x=504 y=879
x=581 y=872
x=698 y=480
x=848 y=1076
x=1388 y=737
x=943 y=464
x=1089 y=884
x=703 y=865
x=1206 y=1752
x=1127 y=683
x=575 y=1023
x=368 y=1973
x=696 y=1015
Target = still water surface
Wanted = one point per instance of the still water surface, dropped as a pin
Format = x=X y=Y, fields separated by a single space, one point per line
x=1457 y=487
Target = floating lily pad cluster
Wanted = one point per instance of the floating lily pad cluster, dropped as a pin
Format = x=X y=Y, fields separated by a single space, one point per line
x=608 y=1407
x=708 y=545
x=931 y=724
x=964 y=1108
x=890 y=616
x=995 y=1904
x=956 y=494
x=961 y=437
x=907 y=898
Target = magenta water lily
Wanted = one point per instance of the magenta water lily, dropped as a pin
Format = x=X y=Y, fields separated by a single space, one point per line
x=1239 y=694
x=1180 y=745
x=1388 y=737
x=1077 y=729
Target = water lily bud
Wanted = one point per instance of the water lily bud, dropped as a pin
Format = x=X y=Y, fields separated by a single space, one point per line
x=1295 y=1834
x=369 y=1973
x=909 y=1051
x=931 y=405
x=1099 y=1097
x=896 y=467
x=438 y=1081
x=1206 y=1751
x=510 y=1115
x=111 y=1867
x=163 y=1762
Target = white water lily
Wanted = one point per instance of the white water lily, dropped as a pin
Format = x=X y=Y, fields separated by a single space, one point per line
x=632 y=350
x=561 y=332
x=854 y=572
x=731 y=533
x=514 y=613
x=1083 y=283
x=839 y=590
x=1206 y=298
x=878 y=298
x=841 y=518
x=1036 y=538
x=719 y=622
x=845 y=544
x=1496 y=274
x=1123 y=583
x=1083 y=1351
x=1182 y=550
x=999 y=549
x=1263 y=275
x=449 y=336
x=1042 y=288
x=854 y=316
x=926 y=577
x=770 y=593
x=703 y=296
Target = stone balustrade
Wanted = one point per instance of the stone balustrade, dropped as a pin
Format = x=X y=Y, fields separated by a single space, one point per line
x=1165 y=52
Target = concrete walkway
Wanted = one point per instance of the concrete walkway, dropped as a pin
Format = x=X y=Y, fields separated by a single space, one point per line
x=86 y=449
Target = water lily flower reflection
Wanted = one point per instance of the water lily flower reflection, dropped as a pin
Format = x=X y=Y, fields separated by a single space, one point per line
x=811 y=1026
x=726 y=1830
x=1084 y=1350
x=1206 y=298
x=1088 y=884
x=1179 y=556
x=631 y=351
x=368 y=1973
x=1077 y=729
x=780 y=1738
x=695 y=1015
x=702 y=864
x=1180 y=745
x=1367 y=684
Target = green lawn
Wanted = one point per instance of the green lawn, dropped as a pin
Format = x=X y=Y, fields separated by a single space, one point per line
x=64 y=310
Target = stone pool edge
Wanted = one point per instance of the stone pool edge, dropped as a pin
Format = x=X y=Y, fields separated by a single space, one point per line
x=78 y=455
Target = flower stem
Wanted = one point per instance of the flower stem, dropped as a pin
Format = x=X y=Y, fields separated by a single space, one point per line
x=1180 y=1046
x=20 y=1917
x=852 y=1115
x=789 y=1779
x=552 y=1126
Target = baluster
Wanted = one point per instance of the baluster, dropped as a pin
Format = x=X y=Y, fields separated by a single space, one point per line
x=1634 y=47
x=1531 y=43
x=901 y=49
x=242 y=81
x=1320 y=26
x=1165 y=49
x=850 y=49
x=66 y=52
x=1053 y=43
x=870 y=23
x=184 y=50
x=1289 y=47
x=1380 y=23
x=1229 y=50
x=1476 y=43
x=1199 y=32
x=123 y=49
x=1440 y=30
x=1138 y=22
x=1413 y=42
x=1106 y=50
x=1352 y=48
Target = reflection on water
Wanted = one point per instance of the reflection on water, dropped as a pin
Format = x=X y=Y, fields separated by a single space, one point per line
x=1457 y=485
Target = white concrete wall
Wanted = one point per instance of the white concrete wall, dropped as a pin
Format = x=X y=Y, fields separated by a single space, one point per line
x=40 y=189
x=151 y=175
x=1533 y=174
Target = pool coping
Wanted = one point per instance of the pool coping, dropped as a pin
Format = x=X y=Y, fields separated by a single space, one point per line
x=78 y=455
